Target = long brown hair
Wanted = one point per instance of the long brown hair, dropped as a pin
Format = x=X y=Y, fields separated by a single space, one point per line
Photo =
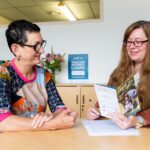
x=124 y=68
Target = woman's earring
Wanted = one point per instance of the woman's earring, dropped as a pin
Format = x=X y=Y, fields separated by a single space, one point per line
x=18 y=58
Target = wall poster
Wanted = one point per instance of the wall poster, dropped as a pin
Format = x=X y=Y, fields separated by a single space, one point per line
x=77 y=66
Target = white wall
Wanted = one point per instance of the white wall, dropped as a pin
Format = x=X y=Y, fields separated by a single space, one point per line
x=100 y=39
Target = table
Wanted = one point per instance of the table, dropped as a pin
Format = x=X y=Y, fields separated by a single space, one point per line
x=75 y=138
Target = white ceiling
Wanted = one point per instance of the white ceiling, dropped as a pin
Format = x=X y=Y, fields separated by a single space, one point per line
x=40 y=10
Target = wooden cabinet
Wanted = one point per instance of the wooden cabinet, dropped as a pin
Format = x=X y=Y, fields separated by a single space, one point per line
x=87 y=99
x=78 y=97
x=70 y=96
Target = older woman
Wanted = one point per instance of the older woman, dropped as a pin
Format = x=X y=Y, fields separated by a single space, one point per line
x=25 y=88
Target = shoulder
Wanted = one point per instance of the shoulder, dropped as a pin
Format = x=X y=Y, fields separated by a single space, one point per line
x=4 y=72
x=47 y=74
x=4 y=63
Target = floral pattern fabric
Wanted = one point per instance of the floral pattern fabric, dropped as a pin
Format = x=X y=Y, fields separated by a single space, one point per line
x=24 y=98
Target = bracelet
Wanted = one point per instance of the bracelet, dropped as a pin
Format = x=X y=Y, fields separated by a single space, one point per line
x=139 y=122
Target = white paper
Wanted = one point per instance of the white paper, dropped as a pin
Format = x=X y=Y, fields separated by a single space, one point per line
x=107 y=98
x=107 y=128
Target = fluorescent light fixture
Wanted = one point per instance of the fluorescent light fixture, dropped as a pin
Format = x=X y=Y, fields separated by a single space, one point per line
x=66 y=11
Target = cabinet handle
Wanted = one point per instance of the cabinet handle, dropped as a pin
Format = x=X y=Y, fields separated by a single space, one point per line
x=83 y=99
x=77 y=99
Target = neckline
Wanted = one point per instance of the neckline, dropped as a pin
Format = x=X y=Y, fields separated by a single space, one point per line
x=21 y=75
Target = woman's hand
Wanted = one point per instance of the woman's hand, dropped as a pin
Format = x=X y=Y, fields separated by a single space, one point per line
x=93 y=113
x=122 y=121
x=65 y=119
x=40 y=118
x=58 y=111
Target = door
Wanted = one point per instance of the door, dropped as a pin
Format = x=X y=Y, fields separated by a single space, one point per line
x=88 y=99
x=71 y=97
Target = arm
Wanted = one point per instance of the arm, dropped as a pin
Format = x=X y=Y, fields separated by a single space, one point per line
x=55 y=102
x=124 y=122
x=16 y=123
x=145 y=115
x=62 y=118
x=9 y=121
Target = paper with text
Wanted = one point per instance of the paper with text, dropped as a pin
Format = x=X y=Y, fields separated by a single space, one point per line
x=107 y=128
x=107 y=98
x=123 y=99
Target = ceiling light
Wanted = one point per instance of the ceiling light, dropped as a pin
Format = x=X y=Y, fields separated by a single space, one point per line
x=66 y=11
x=54 y=13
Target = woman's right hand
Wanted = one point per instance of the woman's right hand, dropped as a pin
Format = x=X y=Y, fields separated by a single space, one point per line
x=65 y=119
x=93 y=114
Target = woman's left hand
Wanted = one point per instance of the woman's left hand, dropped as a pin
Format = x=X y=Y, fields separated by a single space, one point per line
x=122 y=121
x=40 y=118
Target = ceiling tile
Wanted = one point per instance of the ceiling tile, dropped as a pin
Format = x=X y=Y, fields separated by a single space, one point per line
x=21 y=3
x=12 y=14
x=79 y=1
x=4 y=20
x=53 y=11
x=4 y=4
x=39 y=10
x=95 y=5
x=38 y=14
x=46 y=2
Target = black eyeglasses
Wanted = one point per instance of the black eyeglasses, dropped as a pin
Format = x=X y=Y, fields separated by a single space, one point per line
x=37 y=46
x=135 y=43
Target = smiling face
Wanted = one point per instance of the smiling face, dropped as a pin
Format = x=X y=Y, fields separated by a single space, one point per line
x=27 y=50
x=28 y=53
x=137 y=49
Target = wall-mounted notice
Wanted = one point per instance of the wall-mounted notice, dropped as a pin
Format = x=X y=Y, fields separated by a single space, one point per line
x=77 y=66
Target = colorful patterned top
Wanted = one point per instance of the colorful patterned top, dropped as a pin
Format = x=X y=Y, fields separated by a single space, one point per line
x=24 y=97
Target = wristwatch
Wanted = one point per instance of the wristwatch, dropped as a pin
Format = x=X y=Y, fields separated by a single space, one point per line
x=140 y=121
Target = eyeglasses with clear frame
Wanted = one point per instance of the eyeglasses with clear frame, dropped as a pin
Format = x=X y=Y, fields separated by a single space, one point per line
x=37 y=46
x=135 y=43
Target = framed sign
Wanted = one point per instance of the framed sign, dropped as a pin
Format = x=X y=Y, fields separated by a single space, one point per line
x=77 y=66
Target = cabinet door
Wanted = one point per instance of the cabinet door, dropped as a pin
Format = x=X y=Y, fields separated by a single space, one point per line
x=88 y=99
x=71 y=97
